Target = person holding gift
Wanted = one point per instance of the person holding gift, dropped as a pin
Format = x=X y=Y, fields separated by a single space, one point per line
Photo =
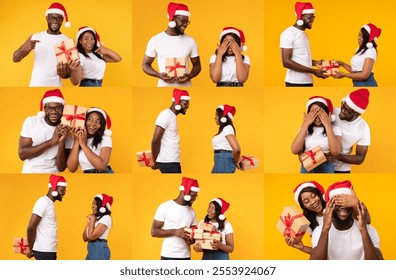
x=46 y=71
x=92 y=144
x=93 y=57
x=296 y=51
x=170 y=219
x=342 y=237
x=165 y=145
x=44 y=142
x=173 y=43
x=361 y=69
x=98 y=227
x=216 y=215
x=228 y=67
x=42 y=229
x=227 y=152
x=317 y=130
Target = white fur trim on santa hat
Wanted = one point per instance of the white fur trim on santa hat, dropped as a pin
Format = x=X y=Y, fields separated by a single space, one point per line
x=308 y=11
x=55 y=99
x=353 y=106
x=194 y=189
x=55 y=11
x=339 y=191
x=300 y=188
x=97 y=110
x=81 y=31
x=183 y=97
x=317 y=99
x=236 y=32
x=182 y=13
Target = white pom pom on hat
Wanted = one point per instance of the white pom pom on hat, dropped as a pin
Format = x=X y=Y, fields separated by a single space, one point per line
x=58 y=8
x=188 y=185
x=374 y=32
x=107 y=201
x=228 y=111
x=224 y=207
x=301 y=8
x=175 y=9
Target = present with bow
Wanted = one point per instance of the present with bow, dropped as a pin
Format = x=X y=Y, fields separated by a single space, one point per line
x=74 y=116
x=212 y=235
x=205 y=244
x=21 y=246
x=66 y=51
x=330 y=66
x=313 y=158
x=292 y=223
x=145 y=158
x=206 y=226
x=249 y=162
x=195 y=233
x=175 y=66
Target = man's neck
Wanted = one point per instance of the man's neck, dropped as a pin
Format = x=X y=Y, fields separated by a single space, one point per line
x=171 y=32
x=300 y=27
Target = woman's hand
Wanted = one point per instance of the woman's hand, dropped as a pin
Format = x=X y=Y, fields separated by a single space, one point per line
x=324 y=118
x=346 y=200
x=310 y=117
x=338 y=74
x=223 y=47
x=290 y=241
x=236 y=49
x=215 y=244
x=82 y=136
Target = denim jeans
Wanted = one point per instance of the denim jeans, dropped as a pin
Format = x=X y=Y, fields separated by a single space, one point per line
x=108 y=170
x=215 y=255
x=170 y=259
x=90 y=83
x=298 y=85
x=223 y=163
x=370 y=82
x=169 y=167
x=44 y=255
x=98 y=251
x=323 y=168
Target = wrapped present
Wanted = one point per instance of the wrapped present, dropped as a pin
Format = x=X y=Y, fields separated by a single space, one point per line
x=313 y=158
x=207 y=226
x=195 y=233
x=249 y=162
x=175 y=66
x=212 y=235
x=330 y=66
x=145 y=158
x=21 y=246
x=292 y=223
x=74 y=116
x=66 y=51
x=205 y=244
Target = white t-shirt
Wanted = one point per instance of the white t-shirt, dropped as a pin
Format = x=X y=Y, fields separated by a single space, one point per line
x=355 y=132
x=175 y=216
x=346 y=244
x=45 y=62
x=106 y=220
x=220 y=142
x=296 y=39
x=164 y=46
x=319 y=219
x=93 y=67
x=170 y=148
x=39 y=131
x=228 y=67
x=46 y=233
x=318 y=139
x=357 y=60
x=82 y=158
x=226 y=230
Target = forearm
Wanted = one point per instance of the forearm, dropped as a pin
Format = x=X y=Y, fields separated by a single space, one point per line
x=28 y=152
x=242 y=70
x=351 y=159
x=155 y=149
x=72 y=159
x=31 y=237
x=216 y=70
x=61 y=157
x=306 y=249
x=299 y=141
x=334 y=143
x=195 y=70
x=111 y=56
x=20 y=54
x=292 y=65
x=97 y=162
x=149 y=70
x=76 y=75
x=159 y=232
x=370 y=251
x=320 y=251
x=227 y=248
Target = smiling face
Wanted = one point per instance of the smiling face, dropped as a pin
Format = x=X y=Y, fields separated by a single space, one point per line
x=211 y=212
x=53 y=113
x=185 y=104
x=93 y=123
x=61 y=193
x=308 y=20
x=94 y=207
x=181 y=24
x=87 y=41
x=312 y=202
x=54 y=22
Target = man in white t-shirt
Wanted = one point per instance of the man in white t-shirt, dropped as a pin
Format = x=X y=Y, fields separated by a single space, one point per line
x=354 y=130
x=43 y=142
x=296 y=50
x=46 y=71
x=165 y=145
x=341 y=237
x=42 y=231
x=170 y=219
x=173 y=43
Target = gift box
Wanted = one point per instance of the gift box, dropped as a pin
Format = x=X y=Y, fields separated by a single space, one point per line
x=212 y=235
x=292 y=223
x=66 y=51
x=205 y=244
x=249 y=162
x=207 y=226
x=21 y=245
x=145 y=158
x=175 y=66
x=195 y=233
x=313 y=158
x=74 y=116
x=331 y=67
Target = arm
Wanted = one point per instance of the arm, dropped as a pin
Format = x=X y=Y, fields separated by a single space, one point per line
x=25 y=49
x=357 y=76
x=242 y=69
x=290 y=64
x=228 y=247
x=156 y=143
x=31 y=232
x=196 y=69
x=76 y=72
x=298 y=245
x=149 y=70
x=63 y=70
x=92 y=232
x=157 y=231
x=334 y=141
x=108 y=54
x=299 y=141
x=61 y=157
x=72 y=160
x=358 y=158
x=215 y=70
x=236 y=149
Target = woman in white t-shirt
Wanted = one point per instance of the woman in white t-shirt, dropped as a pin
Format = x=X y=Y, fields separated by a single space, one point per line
x=216 y=216
x=227 y=152
x=93 y=58
x=228 y=67
x=361 y=70
x=97 y=228
x=317 y=130
x=92 y=144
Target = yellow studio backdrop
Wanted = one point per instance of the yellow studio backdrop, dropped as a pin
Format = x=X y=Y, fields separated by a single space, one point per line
x=112 y=20
x=284 y=112
x=22 y=191
x=24 y=102
x=198 y=126
x=243 y=192
x=207 y=22
x=373 y=189
x=333 y=35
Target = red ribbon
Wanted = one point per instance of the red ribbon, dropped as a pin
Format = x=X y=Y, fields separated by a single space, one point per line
x=145 y=159
x=22 y=246
x=288 y=221
x=331 y=67
x=311 y=154
x=73 y=118
x=175 y=66
x=250 y=159
x=67 y=52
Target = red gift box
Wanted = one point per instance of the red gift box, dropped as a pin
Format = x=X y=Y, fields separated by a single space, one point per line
x=74 y=116
x=175 y=66
x=66 y=51
x=313 y=158
x=292 y=223
x=21 y=246
x=145 y=158
x=331 y=67
x=249 y=162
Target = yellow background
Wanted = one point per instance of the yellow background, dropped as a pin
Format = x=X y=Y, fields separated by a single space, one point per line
x=333 y=36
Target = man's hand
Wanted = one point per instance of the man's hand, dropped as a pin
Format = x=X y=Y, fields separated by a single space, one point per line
x=163 y=76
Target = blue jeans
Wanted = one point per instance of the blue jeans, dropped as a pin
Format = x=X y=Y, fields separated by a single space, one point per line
x=169 y=167
x=223 y=163
x=90 y=83
x=298 y=85
x=323 y=168
x=215 y=255
x=44 y=255
x=170 y=259
x=370 y=82
x=98 y=251
x=108 y=170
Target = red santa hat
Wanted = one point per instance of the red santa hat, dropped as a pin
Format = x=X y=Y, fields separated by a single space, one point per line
x=228 y=111
x=358 y=100
x=107 y=201
x=236 y=31
x=188 y=185
x=374 y=32
x=54 y=95
x=324 y=101
x=178 y=95
x=343 y=187
x=83 y=29
x=224 y=207
x=175 y=9
x=300 y=187
x=302 y=8
x=107 y=132
x=57 y=8
x=54 y=182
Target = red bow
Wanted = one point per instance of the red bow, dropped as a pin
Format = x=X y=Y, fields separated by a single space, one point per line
x=145 y=159
x=65 y=51
x=288 y=221
x=175 y=66
x=22 y=246
x=331 y=67
x=73 y=118
x=250 y=159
